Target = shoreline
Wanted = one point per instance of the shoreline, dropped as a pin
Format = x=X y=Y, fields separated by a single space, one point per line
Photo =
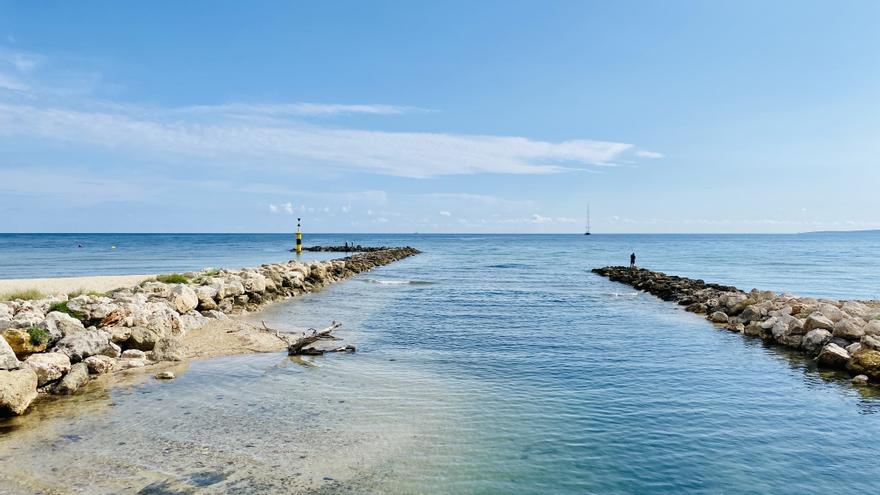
x=841 y=335
x=56 y=344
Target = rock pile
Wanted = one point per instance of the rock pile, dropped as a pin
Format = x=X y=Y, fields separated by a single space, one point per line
x=842 y=335
x=54 y=345
x=347 y=248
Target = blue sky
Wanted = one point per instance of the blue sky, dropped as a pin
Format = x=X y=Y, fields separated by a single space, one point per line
x=443 y=117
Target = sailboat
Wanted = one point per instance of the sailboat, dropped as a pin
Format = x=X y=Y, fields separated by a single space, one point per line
x=588 y=220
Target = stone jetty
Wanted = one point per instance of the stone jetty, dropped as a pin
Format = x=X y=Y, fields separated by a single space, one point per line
x=56 y=344
x=842 y=335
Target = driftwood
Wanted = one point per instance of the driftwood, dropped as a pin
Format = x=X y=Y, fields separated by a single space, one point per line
x=301 y=346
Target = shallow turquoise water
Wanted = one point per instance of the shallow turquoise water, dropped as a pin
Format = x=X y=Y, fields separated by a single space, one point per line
x=495 y=364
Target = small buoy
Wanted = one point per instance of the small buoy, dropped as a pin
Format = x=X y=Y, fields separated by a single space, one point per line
x=112 y=247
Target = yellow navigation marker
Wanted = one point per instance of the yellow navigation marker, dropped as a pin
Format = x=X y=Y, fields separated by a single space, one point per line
x=299 y=237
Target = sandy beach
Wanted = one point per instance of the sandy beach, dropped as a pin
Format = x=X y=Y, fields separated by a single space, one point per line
x=65 y=285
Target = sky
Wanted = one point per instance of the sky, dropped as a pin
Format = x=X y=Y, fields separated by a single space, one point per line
x=488 y=116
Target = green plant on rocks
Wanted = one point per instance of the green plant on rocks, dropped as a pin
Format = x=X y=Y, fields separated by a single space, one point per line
x=173 y=278
x=38 y=335
x=63 y=308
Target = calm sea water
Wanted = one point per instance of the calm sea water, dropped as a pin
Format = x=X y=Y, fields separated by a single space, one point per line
x=488 y=364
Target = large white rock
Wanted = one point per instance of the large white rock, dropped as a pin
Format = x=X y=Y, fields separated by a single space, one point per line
x=61 y=324
x=254 y=282
x=855 y=308
x=849 y=328
x=8 y=361
x=872 y=328
x=183 y=299
x=818 y=320
x=18 y=388
x=49 y=366
x=81 y=345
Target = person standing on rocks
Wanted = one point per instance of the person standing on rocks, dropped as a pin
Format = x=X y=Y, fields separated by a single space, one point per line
x=632 y=260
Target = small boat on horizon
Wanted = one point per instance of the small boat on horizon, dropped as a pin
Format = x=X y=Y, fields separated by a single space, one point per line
x=587 y=232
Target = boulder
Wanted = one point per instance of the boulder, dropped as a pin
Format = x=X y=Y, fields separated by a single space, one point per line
x=79 y=346
x=830 y=311
x=167 y=349
x=127 y=364
x=183 y=299
x=20 y=341
x=849 y=328
x=156 y=289
x=753 y=329
x=870 y=342
x=191 y=321
x=234 y=288
x=142 y=338
x=853 y=348
x=98 y=365
x=219 y=286
x=860 y=379
x=134 y=354
x=76 y=378
x=8 y=359
x=60 y=325
x=872 y=328
x=214 y=314
x=118 y=334
x=206 y=295
x=253 y=282
x=165 y=375
x=818 y=320
x=865 y=362
x=18 y=388
x=856 y=309
x=833 y=356
x=24 y=319
x=716 y=317
x=815 y=340
x=49 y=366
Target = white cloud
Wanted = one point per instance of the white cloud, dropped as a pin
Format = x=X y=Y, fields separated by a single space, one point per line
x=445 y=214
x=294 y=146
x=648 y=154
x=273 y=208
x=291 y=109
x=288 y=207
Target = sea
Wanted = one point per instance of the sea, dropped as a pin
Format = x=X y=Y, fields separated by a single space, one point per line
x=488 y=364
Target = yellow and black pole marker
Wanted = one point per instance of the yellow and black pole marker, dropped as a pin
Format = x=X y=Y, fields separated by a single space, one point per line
x=299 y=237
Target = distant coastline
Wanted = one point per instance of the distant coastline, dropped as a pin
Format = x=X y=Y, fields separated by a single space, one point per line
x=863 y=231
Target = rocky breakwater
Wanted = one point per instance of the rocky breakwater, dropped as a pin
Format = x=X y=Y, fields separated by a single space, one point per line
x=56 y=344
x=843 y=335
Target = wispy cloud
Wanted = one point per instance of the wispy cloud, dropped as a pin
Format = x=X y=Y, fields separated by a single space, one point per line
x=295 y=109
x=648 y=154
x=293 y=145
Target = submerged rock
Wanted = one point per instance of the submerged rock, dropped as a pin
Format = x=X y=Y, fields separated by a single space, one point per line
x=165 y=375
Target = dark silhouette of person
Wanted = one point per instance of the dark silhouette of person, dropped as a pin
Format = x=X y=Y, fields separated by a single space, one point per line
x=632 y=260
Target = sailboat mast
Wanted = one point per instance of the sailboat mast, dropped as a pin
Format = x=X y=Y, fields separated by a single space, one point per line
x=588 y=218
